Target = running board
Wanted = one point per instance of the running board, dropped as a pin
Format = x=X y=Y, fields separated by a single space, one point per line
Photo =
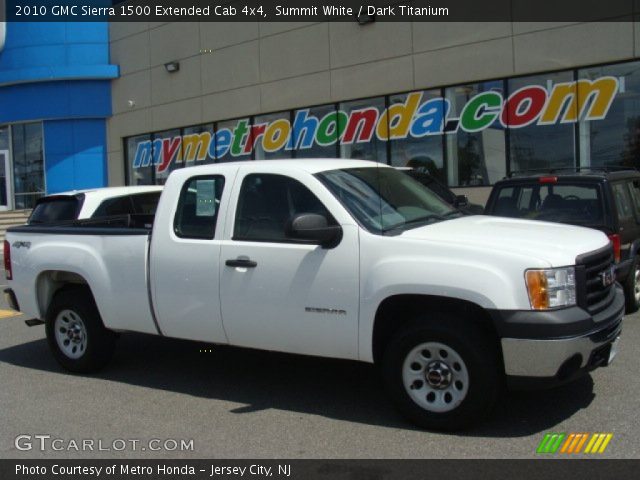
x=33 y=322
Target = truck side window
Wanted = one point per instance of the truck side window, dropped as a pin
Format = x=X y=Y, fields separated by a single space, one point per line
x=267 y=202
x=198 y=207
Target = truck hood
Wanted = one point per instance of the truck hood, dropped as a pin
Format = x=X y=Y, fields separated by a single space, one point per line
x=558 y=244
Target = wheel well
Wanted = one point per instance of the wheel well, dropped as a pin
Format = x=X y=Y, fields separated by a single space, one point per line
x=396 y=311
x=52 y=281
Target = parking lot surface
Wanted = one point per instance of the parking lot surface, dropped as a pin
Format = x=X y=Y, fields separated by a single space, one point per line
x=239 y=403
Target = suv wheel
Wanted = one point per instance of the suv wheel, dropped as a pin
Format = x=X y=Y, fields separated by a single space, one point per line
x=632 y=287
x=442 y=372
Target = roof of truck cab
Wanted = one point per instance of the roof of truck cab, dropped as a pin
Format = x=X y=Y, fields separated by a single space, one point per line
x=310 y=165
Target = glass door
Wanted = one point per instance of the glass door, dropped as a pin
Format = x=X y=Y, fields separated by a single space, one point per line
x=6 y=194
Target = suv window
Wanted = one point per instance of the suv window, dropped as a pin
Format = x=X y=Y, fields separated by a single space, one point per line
x=142 y=203
x=55 y=209
x=623 y=201
x=579 y=204
x=197 y=211
x=267 y=202
x=634 y=188
x=114 y=206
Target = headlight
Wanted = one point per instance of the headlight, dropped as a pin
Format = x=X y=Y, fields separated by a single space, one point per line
x=551 y=288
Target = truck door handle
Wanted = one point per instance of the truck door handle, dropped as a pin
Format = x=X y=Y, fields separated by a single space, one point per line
x=241 y=262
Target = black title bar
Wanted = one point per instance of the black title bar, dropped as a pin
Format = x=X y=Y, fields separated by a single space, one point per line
x=317 y=469
x=364 y=12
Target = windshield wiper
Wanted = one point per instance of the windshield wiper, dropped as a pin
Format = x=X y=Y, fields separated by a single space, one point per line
x=423 y=219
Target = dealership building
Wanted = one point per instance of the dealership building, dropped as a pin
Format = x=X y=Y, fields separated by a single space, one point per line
x=469 y=102
x=127 y=103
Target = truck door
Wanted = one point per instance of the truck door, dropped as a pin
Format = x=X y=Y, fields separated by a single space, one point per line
x=185 y=256
x=278 y=293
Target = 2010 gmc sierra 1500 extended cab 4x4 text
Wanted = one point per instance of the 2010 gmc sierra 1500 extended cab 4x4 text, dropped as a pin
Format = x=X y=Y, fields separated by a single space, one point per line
x=335 y=258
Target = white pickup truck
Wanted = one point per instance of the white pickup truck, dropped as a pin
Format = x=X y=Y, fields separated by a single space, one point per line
x=335 y=258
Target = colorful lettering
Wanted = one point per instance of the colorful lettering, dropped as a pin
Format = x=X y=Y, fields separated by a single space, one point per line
x=566 y=102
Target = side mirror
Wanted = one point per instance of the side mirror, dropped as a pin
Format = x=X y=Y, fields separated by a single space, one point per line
x=314 y=228
x=461 y=201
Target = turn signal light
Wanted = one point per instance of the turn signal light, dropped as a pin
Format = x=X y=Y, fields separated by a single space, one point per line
x=537 y=285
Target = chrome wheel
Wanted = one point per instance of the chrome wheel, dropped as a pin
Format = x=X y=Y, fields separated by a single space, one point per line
x=71 y=334
x=636 y=284
x=435 y=377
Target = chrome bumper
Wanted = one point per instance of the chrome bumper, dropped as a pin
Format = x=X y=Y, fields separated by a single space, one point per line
x=546 y=358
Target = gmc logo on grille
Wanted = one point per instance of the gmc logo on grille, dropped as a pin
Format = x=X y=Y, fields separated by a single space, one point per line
x=608 y=276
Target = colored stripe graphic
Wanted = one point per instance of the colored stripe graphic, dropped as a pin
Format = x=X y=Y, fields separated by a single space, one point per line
x=573 y=443
x=598 y=443
x=551 y=442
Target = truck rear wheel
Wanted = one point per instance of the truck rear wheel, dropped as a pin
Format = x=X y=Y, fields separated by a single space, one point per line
x=75 y=333
x=442 y=372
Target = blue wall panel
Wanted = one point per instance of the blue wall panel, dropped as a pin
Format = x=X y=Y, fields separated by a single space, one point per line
x=39 y=101
x=75 y=154
x=42 y=51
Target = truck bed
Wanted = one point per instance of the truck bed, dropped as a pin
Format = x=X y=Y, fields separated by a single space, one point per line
x=110 y=254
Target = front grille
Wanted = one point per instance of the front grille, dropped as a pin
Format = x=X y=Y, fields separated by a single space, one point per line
x=593 y=295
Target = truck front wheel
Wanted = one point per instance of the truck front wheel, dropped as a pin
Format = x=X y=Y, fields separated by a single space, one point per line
x=78 y=339
x=442 y=372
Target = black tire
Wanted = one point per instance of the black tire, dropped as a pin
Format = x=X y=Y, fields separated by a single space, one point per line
x=631 y=303
x=479 y=352
x=76 y=305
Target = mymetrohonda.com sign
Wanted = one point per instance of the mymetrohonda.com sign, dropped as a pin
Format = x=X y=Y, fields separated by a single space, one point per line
x=416 y=117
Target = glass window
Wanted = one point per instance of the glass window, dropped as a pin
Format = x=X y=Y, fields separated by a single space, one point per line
x=479 y=157
x=143 y=203
x=4 y=153
x=198 y=146
x=385 y=199
x=140 y=160
x=623 y=202
x=358 y=138
x=634 y=189
x=146 y=203
x=542 y=147
x=615 y=139
x=28 y=164
x=166 y=154
x=424 y=153
x=315 y=132
x=55 y=209
x=267 y=203
x=274 y=133
x=563 y=203
x=233 y=140
x=197 y=211
x=114 y=206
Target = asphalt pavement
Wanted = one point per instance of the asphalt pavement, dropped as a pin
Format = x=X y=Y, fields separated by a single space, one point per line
x=239 y=403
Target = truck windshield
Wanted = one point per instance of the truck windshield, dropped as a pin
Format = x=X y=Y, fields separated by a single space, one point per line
x=384 y=200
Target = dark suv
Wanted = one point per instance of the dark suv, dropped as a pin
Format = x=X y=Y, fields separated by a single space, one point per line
x=603 y=199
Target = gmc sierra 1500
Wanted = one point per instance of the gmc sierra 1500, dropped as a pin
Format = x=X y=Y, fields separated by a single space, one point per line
x=335 y=258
